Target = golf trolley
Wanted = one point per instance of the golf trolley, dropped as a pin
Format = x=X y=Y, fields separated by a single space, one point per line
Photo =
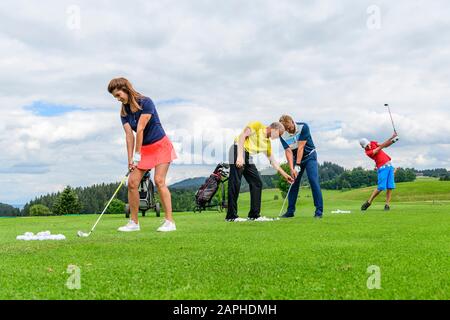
x=207 y=191
x=147 y=199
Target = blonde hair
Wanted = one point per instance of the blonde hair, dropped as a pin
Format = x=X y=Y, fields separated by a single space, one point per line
x=125 y=86
x=285 y=119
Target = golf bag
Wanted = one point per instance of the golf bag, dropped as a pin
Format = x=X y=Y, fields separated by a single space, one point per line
x=207 y=191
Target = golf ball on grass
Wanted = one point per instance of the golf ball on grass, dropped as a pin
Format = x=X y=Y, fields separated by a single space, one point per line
x=82 y=234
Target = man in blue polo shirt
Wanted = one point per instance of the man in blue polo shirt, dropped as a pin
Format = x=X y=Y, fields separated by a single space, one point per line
x=301 y=156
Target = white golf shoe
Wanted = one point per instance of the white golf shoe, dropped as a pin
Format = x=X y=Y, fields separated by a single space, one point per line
x=130 y=227
x=167 y=226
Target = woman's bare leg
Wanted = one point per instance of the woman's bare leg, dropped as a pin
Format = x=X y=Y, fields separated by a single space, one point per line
x=133 y=192
x=164 y=193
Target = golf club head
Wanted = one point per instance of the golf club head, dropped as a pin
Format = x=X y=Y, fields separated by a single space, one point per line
x=82 y=234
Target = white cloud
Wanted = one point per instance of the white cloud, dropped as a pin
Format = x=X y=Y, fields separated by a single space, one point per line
x=234 y=62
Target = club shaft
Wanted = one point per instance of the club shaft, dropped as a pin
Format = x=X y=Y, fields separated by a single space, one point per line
x=392 y=119
x=109 y=202
x=287 y=196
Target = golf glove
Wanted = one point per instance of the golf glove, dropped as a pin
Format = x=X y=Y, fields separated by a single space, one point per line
x=136 y=158
x=298 y=168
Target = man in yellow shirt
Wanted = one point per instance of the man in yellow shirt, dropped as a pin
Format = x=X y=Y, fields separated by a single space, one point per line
x=254 y=139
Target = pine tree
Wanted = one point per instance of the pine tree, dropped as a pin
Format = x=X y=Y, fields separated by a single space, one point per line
x=67 y=203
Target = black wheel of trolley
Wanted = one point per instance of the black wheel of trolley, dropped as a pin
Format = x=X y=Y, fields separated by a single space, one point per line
x=158 y=209
x=127 y=211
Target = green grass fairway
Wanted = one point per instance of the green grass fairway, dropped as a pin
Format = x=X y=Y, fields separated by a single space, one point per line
x=206 y=258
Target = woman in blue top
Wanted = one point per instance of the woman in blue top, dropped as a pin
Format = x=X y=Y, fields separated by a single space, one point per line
x=150 y=149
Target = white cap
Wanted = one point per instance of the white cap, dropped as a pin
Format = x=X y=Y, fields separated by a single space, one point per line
x=364 y=142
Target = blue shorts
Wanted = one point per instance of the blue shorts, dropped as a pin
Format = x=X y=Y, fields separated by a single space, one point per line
x=386 y=179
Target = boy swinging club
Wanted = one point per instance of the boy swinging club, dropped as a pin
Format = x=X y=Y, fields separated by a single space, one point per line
x=385 y=170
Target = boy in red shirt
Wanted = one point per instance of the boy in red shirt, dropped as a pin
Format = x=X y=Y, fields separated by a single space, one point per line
x=385 y=170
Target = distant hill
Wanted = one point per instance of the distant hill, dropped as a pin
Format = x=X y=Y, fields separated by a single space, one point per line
x=8 y=211
x=191 y=183
x=195 y=183
x=419 y=190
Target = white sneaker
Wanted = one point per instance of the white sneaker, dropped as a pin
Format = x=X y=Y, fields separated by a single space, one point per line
x=130 y=227
x=167 y=226
x=263 y=219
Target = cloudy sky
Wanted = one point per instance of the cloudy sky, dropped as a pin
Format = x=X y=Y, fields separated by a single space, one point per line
x=210 y=67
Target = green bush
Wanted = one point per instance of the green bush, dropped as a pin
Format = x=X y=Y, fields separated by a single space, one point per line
x=283 y=185
x=116 y=206
x=405 y=175
x=40 y=210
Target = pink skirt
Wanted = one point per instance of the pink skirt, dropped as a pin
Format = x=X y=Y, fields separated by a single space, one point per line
x=157 y=153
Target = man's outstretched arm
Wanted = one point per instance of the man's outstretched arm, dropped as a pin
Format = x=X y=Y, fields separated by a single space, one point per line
x=387 y=143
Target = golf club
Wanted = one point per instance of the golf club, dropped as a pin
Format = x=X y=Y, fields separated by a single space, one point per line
x=284 y=202
x=84 y=234
x=392 y=120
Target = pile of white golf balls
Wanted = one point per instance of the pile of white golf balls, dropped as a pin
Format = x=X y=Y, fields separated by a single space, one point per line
x=44 y=235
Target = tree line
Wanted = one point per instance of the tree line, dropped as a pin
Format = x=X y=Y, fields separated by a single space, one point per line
x=81 y=200
x=361 y=178
x=92 y=199
x=334 y=177
x=435 y=173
